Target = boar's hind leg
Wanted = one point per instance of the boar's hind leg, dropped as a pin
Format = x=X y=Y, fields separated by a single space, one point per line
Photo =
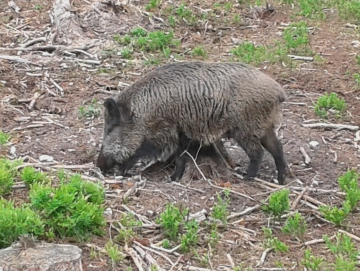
x=180 y=163
x=255 y=152
x=273 y=145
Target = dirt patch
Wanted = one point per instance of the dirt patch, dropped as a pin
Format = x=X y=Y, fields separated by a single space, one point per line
x=42 y=95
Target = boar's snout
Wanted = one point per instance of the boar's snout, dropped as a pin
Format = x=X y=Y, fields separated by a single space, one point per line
x=103 y=162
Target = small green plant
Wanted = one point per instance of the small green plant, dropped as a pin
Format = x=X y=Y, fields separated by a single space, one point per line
x=311 y=262
x=344 y=250
x=278 y=203
x=126 y=53
x=349 y=184
x=199 y=51
x=124 y=235
x=172 y=21
x=214 y=237
x=72 y=209
x=153 y=4
x=38 y=7
x=228 y=6
x=190 y=237
x=152 y=61
x=249 y=53
x=16 y=222
x=29 y=175
x=4 y=138
x=296 y=36
x=220 y=208
x=138 y=32
x=92 y=110
x=295 y=225
x=273 y=242
x=8 y=172
x=184 y=12
x=356 y=77
x=335 y=214
x=327 y=102
x=114 y=253
x=170 y=220
x=237 y=19
x=165 y=244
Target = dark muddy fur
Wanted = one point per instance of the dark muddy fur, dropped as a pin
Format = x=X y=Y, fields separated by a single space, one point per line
x=202 y=100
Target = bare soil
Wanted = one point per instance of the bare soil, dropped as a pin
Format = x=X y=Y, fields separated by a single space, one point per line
x=53 y=126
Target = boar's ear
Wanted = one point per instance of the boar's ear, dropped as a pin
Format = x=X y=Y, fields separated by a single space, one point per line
x=112 y=110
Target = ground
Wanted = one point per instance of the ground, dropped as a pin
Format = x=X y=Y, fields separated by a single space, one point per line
x=44 y=117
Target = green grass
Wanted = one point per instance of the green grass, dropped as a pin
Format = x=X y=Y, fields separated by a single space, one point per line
x=296 y=36
x=312 y=262
x=8 y=173
x=273 y=242
x=220 y=208
x=330 y=101
x=30 y=176
x=91 y=110
x=114 y=253
x=153 y=4
x=296 y=226
x=278 y=203
x=356 y=77
x=4 y=138
x=72 y=209
x=199 y=51
x=17 y=221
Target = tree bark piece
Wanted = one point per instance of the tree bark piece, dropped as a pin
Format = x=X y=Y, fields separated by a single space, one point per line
x=42 y=257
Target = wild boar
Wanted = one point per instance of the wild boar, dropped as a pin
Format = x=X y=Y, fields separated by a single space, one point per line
x=197 y=101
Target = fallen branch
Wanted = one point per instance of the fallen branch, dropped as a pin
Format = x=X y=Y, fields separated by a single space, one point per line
x=57 y=86
x=148 y=257
x=296 y=202
x=154 y=251
x=134 y=257
x=306 y=156
x=18 y=59
x=305 y=58
x=263 y=255
x=246 y=211
x=350 y=235
x=331 y=126
x=31 y=42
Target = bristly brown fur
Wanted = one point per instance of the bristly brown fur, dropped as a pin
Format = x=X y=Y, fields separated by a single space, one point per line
x=205 y=102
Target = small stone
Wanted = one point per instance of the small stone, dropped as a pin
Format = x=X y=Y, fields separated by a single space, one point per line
x=108 y=213
x=46 y=158
x=313 y=144
x=315 y=183
x=13 y=150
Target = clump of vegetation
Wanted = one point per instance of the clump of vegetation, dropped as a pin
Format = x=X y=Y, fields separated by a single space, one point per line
x=153 y=4
x=16 y=222
x=4 y=138
x=8 y=172
x=348 y=183
x=311 y=262
x=295 y=225
x=72 y=209
x=296 y=36
x=273 y=242
x=249 y=53
x=172 y=220
x=328 y=102
x=138 y=38
x=344 y=250
x=220 y=208
x=29 y=175
x=356 y=77
x=90 y=111
x=349 y=9
x=199 y=51
x=278 y=203
x=114 y=253
x=126 y=232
